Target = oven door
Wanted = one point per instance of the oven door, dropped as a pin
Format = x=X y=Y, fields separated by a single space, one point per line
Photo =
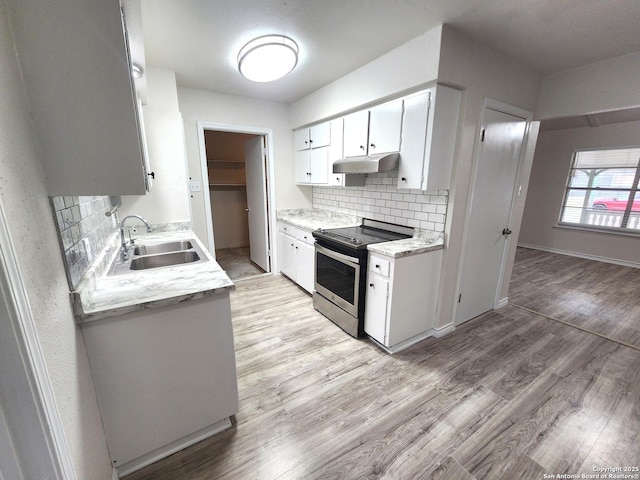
x=337 y=278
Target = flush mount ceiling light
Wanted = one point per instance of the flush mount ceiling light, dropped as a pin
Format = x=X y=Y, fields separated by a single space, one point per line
x=268 y=58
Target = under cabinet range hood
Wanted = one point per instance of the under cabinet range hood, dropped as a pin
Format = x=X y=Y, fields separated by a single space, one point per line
x=368 y=163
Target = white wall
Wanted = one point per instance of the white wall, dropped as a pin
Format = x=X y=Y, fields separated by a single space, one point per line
x=607 y=85
x=30 y=221
x=168 y=200
x=407 y=67
x=482 y=73
x=546 y=188
x=201 y=105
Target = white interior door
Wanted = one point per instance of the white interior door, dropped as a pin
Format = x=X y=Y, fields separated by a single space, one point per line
x=255 y=165
x=493 y=190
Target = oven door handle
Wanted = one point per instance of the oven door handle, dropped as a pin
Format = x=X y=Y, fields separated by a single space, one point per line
x=338 y=256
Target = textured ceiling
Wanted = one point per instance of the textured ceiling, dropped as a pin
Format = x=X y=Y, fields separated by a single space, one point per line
x=200 y=39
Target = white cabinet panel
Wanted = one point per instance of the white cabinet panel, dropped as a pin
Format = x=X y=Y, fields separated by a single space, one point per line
x=385 y=125
x=287 y=255
x=159 y=380
x=375 y=321
x=356 y=133
x=301 y=139
x=301 y=158
x=76 y=69
x=414 y=137
x=313 y=137
x=430 y=123
x=305 y=265
x=401 y=308
x=296 y=255
x=318 y=160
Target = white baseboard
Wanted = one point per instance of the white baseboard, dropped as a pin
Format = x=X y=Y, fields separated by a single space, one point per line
x=586 y=256
x=114 y=474
x=501 y=303
x=172 y=448
x=433 y=332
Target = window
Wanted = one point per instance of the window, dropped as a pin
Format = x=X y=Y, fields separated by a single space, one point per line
x=602 y=190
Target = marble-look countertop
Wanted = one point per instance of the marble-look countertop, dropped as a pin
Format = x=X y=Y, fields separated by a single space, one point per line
x=422 y=241
x=99 y=295
x=313 y=218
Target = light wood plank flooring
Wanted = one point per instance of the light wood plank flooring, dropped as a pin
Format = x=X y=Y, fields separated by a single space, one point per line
x=597 y=296
x=509 y=395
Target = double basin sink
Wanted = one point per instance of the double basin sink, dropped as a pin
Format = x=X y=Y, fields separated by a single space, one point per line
x=158 y=255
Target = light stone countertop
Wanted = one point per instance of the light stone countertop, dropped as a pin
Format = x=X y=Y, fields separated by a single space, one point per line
x=422 y=241
x=312 y=219
x=100 y=296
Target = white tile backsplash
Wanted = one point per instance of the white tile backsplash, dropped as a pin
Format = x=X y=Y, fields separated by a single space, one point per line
x=380 y=199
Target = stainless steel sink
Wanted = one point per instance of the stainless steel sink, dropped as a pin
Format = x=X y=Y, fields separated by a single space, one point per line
x=162 y=248
x=163 y=260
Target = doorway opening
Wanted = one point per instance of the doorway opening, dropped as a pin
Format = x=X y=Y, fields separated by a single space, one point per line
x=237 y=171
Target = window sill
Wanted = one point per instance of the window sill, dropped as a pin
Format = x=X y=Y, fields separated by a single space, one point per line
x=600 y=230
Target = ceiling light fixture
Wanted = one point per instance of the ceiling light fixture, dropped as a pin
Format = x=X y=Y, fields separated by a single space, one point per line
x=268 y=58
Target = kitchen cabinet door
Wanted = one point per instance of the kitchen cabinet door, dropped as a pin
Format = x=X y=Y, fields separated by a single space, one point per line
x=320 y=135
x=375 y=319
x=287 y=255
x=314 y=137
x=305 y=265
x=301 y=139
x=318 y=159
x=385 y=125
x=75 y=63
x=414 y=135
x=356 y=130
x=302 y=172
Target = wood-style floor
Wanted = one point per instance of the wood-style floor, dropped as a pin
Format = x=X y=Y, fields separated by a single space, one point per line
x=509 y=395
x=600 y=297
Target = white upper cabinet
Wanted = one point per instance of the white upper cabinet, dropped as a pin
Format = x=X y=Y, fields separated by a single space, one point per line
x=313 y=137
x=429 y=126
x=76 y=68
x=376 y=130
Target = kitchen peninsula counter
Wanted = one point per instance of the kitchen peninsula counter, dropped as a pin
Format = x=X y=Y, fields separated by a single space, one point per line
x=99 y=295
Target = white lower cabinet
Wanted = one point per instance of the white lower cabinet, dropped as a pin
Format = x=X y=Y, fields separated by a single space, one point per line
x=296 y=255
x=401 y=298
x=165 y=378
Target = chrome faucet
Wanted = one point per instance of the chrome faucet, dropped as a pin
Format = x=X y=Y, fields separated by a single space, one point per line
x=124 y=249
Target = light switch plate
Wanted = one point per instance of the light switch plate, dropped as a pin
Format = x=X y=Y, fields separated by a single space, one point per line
x=195 y=186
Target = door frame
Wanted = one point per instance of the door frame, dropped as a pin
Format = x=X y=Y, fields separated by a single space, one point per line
x=32 y=365
x=527 y=116
x=270 y=177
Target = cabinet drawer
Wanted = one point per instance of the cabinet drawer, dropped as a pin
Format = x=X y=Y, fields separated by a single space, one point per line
x=286 y=229
x=304 y=236
x=378 y=265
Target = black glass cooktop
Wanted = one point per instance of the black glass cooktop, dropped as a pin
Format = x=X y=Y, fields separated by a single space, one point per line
x=371 y=231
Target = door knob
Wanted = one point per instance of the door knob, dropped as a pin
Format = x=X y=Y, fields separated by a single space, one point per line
x=506 y=232
x=247 y=209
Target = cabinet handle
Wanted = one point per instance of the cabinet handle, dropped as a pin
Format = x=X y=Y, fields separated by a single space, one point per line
x=292 y=244
x=377 y=266
x=152 y=175
x=373 y=145
x=371 y=285
x=404 y=179
x=305 y=237
x=338 y=179
x=361 y=147
x=296 y=248
x=310 y=141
